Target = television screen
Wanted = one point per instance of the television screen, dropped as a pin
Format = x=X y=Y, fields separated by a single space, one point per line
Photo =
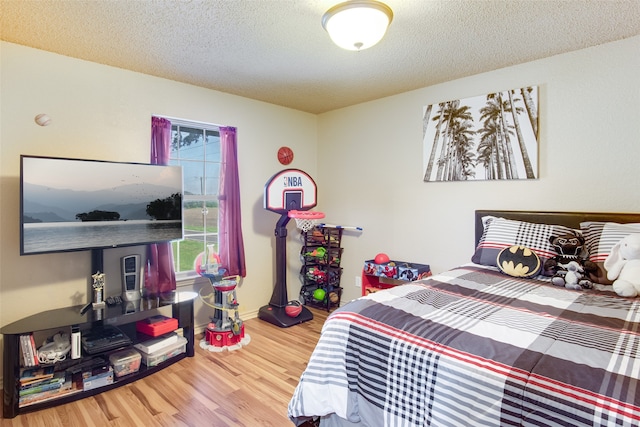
x=75 y=204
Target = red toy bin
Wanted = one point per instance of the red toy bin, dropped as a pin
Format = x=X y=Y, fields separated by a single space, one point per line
x=157 y=325
x=413 y=271
x=388 y=269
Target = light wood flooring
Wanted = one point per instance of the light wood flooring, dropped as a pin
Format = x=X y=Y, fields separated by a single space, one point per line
x=250 y=387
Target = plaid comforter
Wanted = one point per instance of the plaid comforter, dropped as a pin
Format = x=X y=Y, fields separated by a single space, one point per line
x=473 y=347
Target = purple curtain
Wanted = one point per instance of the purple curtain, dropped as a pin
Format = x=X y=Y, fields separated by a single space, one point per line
x=160 y=275
x=230 y=232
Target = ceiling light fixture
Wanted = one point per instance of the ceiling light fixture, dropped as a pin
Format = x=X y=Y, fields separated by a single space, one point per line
x=357 y=25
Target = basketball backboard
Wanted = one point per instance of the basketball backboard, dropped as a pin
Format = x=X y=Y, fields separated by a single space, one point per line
x=290 y=189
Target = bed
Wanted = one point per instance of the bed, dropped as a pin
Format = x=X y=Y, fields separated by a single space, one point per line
x=475 y=347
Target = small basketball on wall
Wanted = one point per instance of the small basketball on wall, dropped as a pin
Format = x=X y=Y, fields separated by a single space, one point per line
x=285 y=155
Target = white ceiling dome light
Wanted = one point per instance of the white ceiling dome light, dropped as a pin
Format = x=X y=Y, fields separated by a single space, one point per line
x=357 y=25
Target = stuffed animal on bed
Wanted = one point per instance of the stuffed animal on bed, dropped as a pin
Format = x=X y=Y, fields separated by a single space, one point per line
x=572 y=276
x=569 y=268
x=623 y=266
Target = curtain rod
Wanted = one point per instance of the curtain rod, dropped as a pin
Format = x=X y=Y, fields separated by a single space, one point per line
x=185 y=122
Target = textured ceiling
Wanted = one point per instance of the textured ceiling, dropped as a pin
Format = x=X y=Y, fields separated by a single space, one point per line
x=277 y=51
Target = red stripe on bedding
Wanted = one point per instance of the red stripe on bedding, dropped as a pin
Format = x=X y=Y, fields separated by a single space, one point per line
x=506 y=371
x=585 y=396
x=491 y=365
x=535 y=313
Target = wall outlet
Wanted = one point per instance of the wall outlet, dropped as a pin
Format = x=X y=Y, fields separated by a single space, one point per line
x=359 y=282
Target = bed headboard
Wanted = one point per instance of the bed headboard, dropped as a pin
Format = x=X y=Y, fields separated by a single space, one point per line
x=569 y=219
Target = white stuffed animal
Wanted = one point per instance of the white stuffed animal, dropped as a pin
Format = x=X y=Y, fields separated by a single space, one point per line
x=623 y=266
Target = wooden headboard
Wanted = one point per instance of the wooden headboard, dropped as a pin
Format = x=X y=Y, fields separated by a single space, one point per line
x=569 y=219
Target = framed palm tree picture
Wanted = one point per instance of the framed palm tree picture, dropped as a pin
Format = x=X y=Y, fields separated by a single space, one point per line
x=488 y=137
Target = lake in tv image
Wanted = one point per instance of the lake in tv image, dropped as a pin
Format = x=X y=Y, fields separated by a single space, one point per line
x=72 y=204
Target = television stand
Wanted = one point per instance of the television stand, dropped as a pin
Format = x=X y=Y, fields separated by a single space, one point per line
x=175 y=304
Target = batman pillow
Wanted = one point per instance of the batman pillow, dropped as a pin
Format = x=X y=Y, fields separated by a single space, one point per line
x=518 y=261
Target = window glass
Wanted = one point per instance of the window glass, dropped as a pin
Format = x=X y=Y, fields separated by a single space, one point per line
x=196 y=147
x=213 y=146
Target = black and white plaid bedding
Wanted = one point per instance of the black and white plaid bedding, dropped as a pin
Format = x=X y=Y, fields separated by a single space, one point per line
x=473 y=347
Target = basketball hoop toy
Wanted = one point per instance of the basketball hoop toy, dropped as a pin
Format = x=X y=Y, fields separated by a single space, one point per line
x=305 y=220
x=291 y=193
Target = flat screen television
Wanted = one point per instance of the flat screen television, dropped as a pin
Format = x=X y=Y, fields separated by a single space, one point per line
x=77 y=204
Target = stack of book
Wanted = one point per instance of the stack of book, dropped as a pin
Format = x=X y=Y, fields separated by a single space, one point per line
x=38 y=384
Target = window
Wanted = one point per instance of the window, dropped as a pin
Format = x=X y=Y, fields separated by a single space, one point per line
x=196 y=147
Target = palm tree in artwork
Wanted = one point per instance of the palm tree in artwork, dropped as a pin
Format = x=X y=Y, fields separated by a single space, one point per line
x=485 y=156
x=523 y=149
x=532 y=112
x=489 y=150
x=439 y=117
x=425 y=119
x=454 y=116
x=494 y=114
x=460 y=161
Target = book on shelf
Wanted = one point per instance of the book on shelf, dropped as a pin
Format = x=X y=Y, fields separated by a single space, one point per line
x=158 y=343
x=54 y=383
x=67 y=388
x=35 y=374
x=24 y=351
x=29 y=352
x=34 y=350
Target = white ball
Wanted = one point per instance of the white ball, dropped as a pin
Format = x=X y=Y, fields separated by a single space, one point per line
x=43 y=119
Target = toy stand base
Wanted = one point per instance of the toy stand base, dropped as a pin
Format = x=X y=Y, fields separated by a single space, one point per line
x=277 y=316
x=204 y=344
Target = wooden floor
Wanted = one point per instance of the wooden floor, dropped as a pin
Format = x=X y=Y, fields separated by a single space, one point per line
x=250 y=387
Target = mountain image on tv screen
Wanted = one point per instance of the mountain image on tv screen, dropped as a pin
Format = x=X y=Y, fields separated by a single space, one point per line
x=72 y=204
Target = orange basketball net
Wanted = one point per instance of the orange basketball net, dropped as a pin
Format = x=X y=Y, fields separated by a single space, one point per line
x=305 y=220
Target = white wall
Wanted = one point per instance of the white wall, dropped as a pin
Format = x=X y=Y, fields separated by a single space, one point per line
x=370 y=159
x=101 y=112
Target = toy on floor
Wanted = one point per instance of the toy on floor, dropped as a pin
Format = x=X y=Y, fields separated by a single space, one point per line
x=293 y=308
x=226 y=329
x=291 y=193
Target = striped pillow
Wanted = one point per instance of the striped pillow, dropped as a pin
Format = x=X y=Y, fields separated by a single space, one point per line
x=600 y=237
x=500 y=233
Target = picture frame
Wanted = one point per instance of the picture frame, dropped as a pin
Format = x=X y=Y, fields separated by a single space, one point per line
x=488 y=137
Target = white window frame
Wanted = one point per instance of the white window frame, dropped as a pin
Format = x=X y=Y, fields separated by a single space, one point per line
x=206 y=196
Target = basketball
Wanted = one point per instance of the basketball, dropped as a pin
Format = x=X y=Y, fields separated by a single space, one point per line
x=381 y=259
x=293 y=309
x=285 y=155
x=43 y=120
x=333 y=297
x=319 y=294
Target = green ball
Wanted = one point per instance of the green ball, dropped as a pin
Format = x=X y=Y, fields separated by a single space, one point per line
x=319 y=294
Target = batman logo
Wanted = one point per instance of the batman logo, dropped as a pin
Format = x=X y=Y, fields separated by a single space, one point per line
x=518 y=261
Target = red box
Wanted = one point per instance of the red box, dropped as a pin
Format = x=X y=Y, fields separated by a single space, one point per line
x=157 y=325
